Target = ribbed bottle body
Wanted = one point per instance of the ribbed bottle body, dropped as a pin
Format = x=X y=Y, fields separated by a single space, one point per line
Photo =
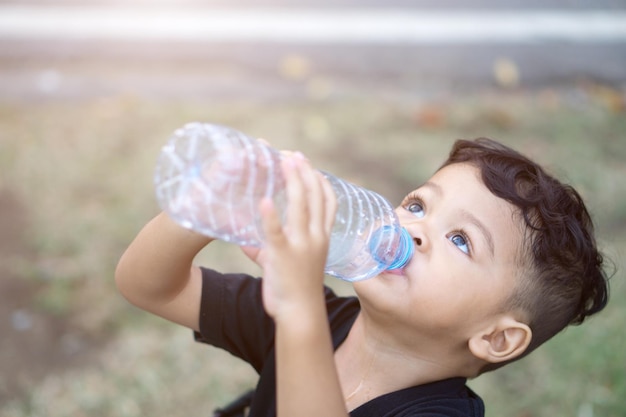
x=211 y=179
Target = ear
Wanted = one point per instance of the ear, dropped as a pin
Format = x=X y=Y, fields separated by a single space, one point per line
x=503 y=341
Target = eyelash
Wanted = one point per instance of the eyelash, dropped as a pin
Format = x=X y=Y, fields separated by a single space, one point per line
x=466 y=238
x=414 y=198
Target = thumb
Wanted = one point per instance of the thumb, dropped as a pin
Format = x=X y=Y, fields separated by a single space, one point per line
x=252 y=252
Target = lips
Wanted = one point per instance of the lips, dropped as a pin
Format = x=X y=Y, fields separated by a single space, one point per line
x=395 y=271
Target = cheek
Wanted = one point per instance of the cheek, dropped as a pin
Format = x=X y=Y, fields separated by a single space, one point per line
x=447 y=301
x=438 y=311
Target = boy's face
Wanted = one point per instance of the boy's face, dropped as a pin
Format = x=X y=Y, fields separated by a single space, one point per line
x=465 y=264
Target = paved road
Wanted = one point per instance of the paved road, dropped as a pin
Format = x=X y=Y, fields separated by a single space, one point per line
x=124 y=50
x=381 y=4
x=390 y=26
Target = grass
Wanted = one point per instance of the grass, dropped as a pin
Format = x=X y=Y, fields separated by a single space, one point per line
x=82 y=172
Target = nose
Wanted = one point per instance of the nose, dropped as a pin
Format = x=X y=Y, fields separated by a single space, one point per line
x=419 y=234
x=421 y=243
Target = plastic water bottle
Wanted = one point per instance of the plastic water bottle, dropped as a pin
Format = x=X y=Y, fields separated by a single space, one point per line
x=211 y=179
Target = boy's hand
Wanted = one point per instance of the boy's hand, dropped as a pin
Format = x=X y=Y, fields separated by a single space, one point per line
x=295 y=253
x=293 y=262
x=252 y=252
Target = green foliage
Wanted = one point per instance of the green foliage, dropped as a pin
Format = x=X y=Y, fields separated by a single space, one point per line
x=83 y=172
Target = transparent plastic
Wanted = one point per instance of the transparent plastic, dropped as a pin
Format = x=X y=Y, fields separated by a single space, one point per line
x=211 y=179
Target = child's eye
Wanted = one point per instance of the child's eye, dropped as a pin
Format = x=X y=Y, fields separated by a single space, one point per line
x=461 y=241
x=414 y=205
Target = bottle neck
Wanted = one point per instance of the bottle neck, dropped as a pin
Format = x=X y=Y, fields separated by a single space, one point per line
x=405 y=250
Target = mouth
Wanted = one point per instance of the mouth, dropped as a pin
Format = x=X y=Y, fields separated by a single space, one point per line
x=399 y=271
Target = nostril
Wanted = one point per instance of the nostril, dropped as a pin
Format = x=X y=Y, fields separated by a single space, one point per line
x=417 y=241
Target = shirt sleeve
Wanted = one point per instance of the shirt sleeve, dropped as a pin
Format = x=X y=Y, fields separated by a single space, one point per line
x=232 y=317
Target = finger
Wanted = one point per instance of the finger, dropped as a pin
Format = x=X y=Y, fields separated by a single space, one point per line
x=297 y=210
x=264 y=142
x=251 y=252
x=330 y=202
x=314 y=194
x=285 y=153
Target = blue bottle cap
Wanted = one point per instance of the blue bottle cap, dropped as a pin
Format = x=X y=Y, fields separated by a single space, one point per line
x=405 y=252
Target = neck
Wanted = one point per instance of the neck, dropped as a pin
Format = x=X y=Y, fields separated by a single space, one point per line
x=371 y=363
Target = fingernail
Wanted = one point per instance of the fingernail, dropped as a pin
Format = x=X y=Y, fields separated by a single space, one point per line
x=290 y=161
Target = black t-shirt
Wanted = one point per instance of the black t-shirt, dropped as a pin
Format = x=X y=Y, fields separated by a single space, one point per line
x=232 y=318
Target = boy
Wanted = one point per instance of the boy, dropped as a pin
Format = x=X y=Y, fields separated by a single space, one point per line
x=504 y=259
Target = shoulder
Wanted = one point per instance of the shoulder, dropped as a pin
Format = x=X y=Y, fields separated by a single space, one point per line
x=232 y=316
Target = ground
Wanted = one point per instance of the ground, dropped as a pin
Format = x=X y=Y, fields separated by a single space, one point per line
x=36 y=344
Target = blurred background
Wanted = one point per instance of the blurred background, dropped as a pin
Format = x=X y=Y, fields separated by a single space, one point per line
x=375 y=91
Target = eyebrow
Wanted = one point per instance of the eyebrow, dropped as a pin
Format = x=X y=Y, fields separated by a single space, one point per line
x=480 y=226
x=467 y=216
x=436 y=188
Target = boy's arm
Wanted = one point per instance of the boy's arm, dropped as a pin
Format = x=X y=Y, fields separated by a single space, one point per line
x=156 y=272
x=307 y=380
x=293 y=294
